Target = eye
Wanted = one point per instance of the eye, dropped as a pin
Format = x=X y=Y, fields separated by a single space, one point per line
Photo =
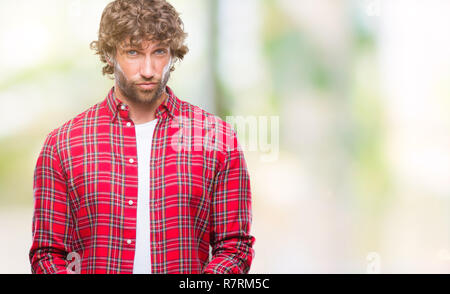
x=132 y=52
x=161 y=51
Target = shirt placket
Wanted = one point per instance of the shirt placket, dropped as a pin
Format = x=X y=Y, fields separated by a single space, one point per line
x=129 y=198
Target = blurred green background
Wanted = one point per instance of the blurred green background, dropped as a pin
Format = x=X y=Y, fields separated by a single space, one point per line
x=361 y=89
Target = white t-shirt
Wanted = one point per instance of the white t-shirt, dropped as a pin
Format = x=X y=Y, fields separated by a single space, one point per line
x=142 y=259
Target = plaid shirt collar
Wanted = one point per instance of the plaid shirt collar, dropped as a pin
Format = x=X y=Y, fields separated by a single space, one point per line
x=170 y=106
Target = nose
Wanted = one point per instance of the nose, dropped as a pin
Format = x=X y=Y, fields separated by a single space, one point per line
x=147 y=69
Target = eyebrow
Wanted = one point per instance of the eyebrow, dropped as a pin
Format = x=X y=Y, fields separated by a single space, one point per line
x=129 y=47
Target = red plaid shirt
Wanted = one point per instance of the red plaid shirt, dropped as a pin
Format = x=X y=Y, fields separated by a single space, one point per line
x=86 y=174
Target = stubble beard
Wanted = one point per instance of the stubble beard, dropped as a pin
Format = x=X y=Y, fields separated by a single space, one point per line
x=136 y=95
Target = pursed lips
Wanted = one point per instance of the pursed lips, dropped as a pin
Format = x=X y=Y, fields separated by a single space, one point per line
x=147 y=85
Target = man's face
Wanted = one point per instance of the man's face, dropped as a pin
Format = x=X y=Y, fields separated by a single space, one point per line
x=141 y=74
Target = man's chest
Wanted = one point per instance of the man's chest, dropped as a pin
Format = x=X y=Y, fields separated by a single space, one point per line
x=102 y=168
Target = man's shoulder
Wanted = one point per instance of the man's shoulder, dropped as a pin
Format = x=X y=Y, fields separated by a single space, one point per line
x=221 y=131
x=193 y=112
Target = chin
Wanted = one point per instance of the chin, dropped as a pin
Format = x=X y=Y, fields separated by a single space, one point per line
x=150 y=97
x=146 y=91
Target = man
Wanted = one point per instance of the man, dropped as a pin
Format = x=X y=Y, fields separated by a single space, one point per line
x=141 y=182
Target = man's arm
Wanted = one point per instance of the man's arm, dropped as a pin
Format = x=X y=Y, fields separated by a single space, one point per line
x=51 y=218
x=231 y=217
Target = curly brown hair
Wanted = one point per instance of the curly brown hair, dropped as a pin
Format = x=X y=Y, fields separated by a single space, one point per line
x=139 y=20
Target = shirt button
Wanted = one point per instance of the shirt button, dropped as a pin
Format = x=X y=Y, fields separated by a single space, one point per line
x=131 y=160
x=128 y=124
x=123 y=107
x=128 y=242
x=130 y=202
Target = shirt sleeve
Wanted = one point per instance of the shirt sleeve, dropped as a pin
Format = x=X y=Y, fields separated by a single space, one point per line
x=51 y=218
x=231 y=217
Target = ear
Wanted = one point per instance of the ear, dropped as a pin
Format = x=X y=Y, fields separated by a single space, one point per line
x=109 y=60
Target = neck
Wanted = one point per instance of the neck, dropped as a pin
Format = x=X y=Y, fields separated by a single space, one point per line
x=141 y=113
